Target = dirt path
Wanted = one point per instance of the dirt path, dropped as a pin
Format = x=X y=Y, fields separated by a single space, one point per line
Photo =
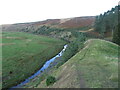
x=82 y=81
x=79 y=72
x=2 y=44
x=87 y=30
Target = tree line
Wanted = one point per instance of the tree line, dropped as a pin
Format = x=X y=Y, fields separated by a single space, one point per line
x=109 y=23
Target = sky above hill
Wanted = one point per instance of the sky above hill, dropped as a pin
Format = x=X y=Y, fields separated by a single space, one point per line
x=19 y=11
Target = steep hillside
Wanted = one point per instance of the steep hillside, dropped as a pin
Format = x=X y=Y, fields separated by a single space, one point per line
x=95 y=66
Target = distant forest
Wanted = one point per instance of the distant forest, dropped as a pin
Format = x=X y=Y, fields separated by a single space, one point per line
x=109 y=22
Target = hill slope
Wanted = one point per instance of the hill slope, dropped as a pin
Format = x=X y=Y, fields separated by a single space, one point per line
x=95 y=66
x=75 y=22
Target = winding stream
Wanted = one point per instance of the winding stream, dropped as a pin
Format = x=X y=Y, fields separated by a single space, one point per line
x=45 y=66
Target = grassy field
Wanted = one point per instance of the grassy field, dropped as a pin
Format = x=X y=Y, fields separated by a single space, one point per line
x=0 y=60
x=24 y=53
x=95 y=66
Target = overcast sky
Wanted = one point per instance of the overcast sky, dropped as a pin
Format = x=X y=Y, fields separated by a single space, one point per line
x=19 y=11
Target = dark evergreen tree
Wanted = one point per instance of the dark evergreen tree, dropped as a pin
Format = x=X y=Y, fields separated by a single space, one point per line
x=116 y=35
x=116 y=31
x=107 y=22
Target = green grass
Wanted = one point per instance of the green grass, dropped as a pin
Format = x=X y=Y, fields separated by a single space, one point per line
x=95 y=66
x=0 y=61
x=24 y=53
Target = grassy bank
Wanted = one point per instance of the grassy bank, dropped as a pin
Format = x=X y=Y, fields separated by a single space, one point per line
x=95 y=66
x=23 y=54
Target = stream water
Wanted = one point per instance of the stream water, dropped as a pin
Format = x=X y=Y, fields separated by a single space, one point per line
x=45 y=66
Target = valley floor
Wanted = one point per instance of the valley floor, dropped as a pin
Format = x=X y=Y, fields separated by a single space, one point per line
x=24 y=54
